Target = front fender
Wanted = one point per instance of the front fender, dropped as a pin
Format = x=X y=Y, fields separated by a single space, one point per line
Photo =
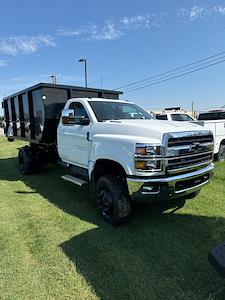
x=120 y=152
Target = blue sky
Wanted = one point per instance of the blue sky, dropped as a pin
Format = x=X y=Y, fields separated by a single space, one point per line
x=123 y=42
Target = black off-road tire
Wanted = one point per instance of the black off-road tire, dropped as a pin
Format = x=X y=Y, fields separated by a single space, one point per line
x=25 y=161
x=10 y=139
x=37 y=163
x=221 y=153
x=113 y=201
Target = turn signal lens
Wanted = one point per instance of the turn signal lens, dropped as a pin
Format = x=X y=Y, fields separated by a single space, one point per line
x=147 y=165
x=141 y=165
x=141 y=150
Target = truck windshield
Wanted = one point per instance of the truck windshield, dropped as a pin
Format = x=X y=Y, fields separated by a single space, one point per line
x=181 y=117
x=211 y=116
x=106 y=110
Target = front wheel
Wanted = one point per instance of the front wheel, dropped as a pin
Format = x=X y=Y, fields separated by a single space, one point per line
x=221 y=153
x=113 y=201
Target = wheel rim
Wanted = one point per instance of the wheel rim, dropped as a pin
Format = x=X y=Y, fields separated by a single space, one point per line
x=105 y=203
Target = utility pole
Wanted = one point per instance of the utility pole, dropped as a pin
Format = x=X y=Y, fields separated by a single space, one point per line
x=85 y=69
x=192 y=108
x=1 y=112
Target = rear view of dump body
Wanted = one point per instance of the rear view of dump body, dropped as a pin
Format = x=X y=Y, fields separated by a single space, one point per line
x=33 y=114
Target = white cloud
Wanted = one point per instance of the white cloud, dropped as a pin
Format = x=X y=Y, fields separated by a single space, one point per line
x=14 y=45
x=3 y=62
x=192 y=14
x=92 y=32
x=110 y=30
x=220 y=9
x=69 y=32
x=139 y=21
x=197 y=12
x=107 y=32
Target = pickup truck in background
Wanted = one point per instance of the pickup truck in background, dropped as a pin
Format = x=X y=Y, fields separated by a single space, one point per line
x=174 y=114
x=113 y=145
x=214 y=120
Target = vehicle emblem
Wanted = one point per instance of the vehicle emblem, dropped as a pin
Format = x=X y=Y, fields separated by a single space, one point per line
x=196 y=147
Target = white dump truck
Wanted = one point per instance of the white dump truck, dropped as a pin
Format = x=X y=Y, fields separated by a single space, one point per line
x=113 y=145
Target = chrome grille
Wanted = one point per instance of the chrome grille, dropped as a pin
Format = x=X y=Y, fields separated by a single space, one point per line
x=187 y=140
x=188 y=150
x=192 y=161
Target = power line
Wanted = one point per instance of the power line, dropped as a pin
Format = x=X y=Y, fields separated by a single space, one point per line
x=173 y=77
x=117 y=51
x=169 y=52
x=172 y=70
x=146 y=37
x=184 y=70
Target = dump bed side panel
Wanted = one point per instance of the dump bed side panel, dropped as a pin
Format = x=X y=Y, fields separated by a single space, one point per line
x=33 y=114
x=24 y=114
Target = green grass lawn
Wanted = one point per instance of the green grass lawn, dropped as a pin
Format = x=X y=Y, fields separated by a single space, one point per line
x=53 y=245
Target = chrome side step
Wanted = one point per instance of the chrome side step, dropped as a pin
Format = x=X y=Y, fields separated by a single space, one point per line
x=74 y=180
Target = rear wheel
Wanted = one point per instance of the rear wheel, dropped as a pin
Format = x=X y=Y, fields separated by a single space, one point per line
x=29 y=161
x=221 y=153
x=10 y=139
x=25 y=161
x=113 y=201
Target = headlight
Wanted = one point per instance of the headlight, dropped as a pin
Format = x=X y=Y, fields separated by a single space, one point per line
x=148 y=157
x=148 y=150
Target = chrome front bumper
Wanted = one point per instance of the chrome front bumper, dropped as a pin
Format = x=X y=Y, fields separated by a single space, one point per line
x=165 y=188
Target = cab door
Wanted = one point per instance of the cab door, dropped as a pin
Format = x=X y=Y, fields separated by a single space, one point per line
x=73 y=138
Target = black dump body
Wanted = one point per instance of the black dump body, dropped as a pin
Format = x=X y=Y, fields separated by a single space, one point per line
x=33 y=114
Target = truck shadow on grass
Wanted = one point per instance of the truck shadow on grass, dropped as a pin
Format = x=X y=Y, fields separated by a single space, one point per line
x=158 y=258
x=155 y=256
x=70 y=198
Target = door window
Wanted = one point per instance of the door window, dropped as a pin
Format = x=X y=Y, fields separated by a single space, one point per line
x=181 y=117
x=79 y=110
x=161 y=117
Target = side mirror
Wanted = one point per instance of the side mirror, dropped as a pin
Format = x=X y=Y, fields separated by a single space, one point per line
x=68 y=117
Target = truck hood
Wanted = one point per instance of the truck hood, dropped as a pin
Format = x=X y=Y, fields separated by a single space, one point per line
x=148 y=129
